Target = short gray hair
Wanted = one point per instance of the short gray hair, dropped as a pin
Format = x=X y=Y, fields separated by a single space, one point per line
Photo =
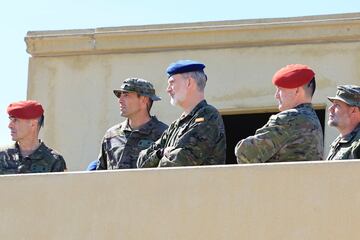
x=310 y=87
x=41 y=121
x=199 y=77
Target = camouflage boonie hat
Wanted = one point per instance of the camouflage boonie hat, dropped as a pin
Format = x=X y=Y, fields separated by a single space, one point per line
x=138 y=85
x=349 y=94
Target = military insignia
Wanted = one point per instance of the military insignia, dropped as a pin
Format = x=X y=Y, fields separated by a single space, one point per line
x=38 y=168
x=145 y=143
x=201 y=119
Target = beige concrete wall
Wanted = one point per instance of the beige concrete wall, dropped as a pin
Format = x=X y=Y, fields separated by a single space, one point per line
x=297 y=201
x=73 y=72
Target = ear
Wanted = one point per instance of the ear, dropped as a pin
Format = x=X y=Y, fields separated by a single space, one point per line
x=33 y=122
x=190 y=83
x=300 y=91
x=143 y=99
x=355 y=109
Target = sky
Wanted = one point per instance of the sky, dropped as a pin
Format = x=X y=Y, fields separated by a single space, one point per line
x=19 y=17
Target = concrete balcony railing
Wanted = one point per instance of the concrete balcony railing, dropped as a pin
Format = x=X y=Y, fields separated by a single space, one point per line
x=297 y=201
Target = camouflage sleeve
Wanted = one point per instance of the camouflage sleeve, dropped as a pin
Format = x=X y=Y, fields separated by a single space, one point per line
x=265 y=143
x=7 y=165
x=356 y=150
x=2 y=163
x=102 y=159
x=150 y=157
x=194 y=145
x=59 y=165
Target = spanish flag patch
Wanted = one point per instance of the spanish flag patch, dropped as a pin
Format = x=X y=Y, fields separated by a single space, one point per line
x=199 y=120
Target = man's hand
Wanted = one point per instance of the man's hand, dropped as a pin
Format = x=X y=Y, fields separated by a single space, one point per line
x=167 y=152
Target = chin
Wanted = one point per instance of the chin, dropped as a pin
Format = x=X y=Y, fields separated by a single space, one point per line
x=173 y=102
x=284 y=108
x=332 y=123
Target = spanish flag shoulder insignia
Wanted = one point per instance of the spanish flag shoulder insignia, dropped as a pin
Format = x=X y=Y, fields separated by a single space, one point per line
x=201 y=119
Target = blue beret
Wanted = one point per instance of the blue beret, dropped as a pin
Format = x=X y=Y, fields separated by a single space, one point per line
x=183 y=66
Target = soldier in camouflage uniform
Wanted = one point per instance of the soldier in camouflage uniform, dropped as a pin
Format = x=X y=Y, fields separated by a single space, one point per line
x=198 y=136
x=122 y=143
x=294 y=134
x=28 y=154
x=344 y=114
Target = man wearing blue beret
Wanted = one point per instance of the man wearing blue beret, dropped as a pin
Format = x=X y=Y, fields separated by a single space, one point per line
x=198 y=136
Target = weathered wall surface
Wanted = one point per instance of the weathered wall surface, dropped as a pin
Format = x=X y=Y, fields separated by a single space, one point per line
x=297 y=201
x=73 y=72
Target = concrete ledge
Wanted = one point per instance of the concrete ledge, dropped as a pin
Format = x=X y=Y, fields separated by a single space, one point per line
x=206 y=35
x=312 y=200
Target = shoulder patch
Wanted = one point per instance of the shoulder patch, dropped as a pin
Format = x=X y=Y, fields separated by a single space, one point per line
x=200 y=119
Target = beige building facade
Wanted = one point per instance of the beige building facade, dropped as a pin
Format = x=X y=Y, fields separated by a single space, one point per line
x=73 y=72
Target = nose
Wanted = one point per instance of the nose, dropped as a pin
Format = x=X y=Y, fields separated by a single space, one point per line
x=168 y=89
x=331 y=108
x=10 y=125
x=121 y=98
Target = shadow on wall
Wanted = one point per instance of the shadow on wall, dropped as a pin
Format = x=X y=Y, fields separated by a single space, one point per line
x=240 y=126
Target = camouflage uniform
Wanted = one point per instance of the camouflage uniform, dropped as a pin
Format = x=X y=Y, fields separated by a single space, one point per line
x=291 y=135
x=194 y=139
x=347 y=147
x=121 y=145
x=43 y=159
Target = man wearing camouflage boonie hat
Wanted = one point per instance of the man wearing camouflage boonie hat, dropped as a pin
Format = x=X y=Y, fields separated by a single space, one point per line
x=122 y=143
x=344 y=114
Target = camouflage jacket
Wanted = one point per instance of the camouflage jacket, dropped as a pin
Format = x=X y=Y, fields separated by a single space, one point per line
x=291 y=135
x=43 y=159
x=194 y=139
x=121 y=145
x=347 y=147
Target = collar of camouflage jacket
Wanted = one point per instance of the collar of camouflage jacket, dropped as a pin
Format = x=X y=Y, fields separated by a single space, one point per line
x=37 y=154
x=146 y=128
x=200 y=105
x=350 y=136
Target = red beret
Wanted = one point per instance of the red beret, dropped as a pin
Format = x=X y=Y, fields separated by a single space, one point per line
x=25 y=109
x=293 y=76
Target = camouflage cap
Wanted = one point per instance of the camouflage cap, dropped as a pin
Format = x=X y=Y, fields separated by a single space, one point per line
x=138 y=85
x=349 y=94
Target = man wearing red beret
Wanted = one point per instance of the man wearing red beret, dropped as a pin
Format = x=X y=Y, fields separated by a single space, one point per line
x=28 y=154
x=294 y=134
